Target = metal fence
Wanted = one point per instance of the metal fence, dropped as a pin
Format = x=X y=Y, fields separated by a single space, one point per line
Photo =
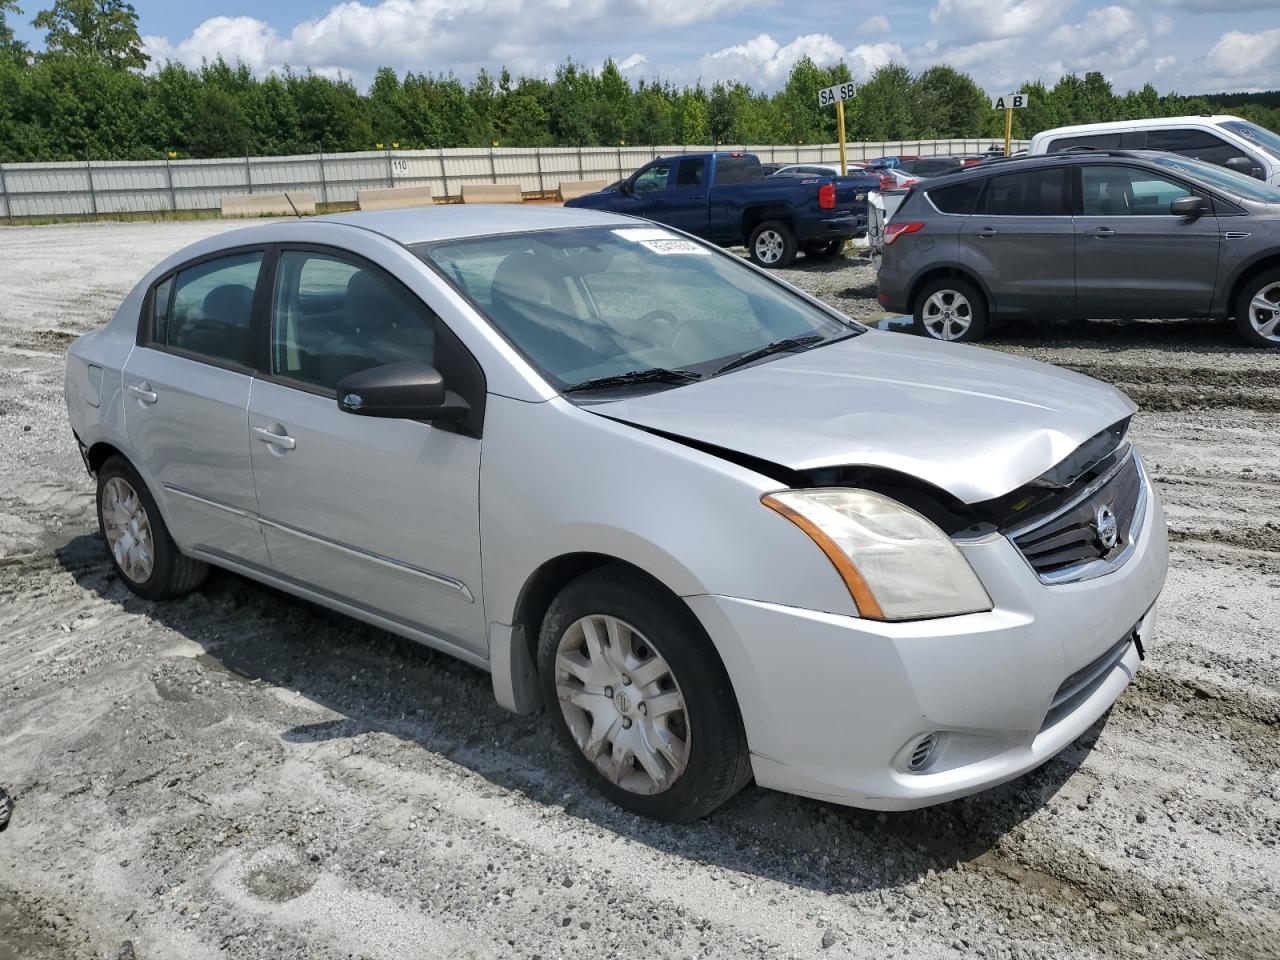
x=105 y=187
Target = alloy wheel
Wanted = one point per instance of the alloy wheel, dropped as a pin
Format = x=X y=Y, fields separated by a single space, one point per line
x=1264 y=312
x=769 y=246
x=128 y=530
x=622 y=704
x=947 y=315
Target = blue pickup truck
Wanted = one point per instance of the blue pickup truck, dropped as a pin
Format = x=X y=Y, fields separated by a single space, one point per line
x=727 y=198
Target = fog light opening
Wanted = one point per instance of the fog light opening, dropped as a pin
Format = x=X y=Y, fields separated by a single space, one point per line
x=922 y=752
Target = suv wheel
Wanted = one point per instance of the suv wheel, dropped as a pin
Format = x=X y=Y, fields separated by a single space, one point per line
x=951 y=309
x=141 y=549
x=638 y=697
x=772 y=244
x=1258 y=310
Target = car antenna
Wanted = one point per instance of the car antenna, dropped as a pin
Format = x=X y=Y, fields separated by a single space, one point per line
x=295 y=209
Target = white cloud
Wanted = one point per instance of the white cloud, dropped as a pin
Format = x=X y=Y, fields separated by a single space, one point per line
x=992 y=19
x=1109 y=38
x=633 y=61
x=877 y=24
x=1253 y=57
x=765 y=63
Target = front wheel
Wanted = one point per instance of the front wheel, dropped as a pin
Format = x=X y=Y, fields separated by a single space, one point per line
x=951 y=309
x=141 y=549
x=772 y=244
x=1258 y=310
x=639 y=698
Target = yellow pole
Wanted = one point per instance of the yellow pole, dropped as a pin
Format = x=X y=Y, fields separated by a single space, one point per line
x=1008 y=131
x=844 y=164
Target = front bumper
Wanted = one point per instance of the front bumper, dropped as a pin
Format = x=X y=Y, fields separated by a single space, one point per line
x=834 y=704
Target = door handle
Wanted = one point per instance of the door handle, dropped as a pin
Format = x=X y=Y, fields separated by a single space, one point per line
x=282 y=440
x=1104 y=232
x=988 y=232
x=144 y=392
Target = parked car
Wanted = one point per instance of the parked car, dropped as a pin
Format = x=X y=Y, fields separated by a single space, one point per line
x=1101 y=233
x=882 y=163
x=719 y=530
x=727 y=199
x=931 y=166
x=1227 y=141
x=819 y=169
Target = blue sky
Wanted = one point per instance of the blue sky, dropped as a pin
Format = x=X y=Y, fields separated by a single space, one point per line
x=1183 y=45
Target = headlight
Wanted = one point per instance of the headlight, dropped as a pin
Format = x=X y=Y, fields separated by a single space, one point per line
x=897 y=565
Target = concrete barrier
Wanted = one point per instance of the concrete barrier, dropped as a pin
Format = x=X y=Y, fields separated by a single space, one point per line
x=577 y=188
x=268 y=204
x=492 y=193
x=388 y=198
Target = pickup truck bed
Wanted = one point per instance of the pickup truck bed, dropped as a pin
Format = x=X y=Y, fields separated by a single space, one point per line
x=727 y=199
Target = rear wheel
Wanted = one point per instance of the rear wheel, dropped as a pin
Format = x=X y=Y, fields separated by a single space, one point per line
x=951 y=309
x=639 y=698
x=772 y=244
x=141 y=549
x=1258 y=310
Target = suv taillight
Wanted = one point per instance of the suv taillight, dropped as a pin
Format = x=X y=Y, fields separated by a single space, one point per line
x=892 y=231
x=887 y=182
x=827 y=196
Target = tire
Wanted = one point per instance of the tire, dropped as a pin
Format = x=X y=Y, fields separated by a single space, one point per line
x=824 y=251
x=129 y=519
x=1260 y=326
x=967 y=319
x=650 y=631
x=772 y=245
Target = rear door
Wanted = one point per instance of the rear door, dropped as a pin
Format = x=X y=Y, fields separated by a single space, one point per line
x=187 y=387
x=1020 y=240
x=684 y=203
x=380 y=513
x=1133 y=258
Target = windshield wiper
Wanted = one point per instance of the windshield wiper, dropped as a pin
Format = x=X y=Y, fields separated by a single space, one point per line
x=778 y=346
x=651 y=375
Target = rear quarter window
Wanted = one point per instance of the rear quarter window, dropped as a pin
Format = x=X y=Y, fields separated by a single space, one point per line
x=958 y=198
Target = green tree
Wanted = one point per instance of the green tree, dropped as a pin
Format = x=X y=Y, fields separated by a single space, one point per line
x=948 y=104
x=105 y=30
x=802 y=120
x=11 y=48
x=886 y=108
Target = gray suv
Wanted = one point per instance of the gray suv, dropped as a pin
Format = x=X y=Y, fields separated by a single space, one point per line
x=1086 y=234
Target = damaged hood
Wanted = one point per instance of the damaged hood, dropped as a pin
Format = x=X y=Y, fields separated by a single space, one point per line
x=973 y=422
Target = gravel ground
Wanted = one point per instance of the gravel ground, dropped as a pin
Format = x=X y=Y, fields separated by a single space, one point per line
x=241 y=774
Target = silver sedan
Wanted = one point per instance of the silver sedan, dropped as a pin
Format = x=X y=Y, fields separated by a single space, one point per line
x=719 y=530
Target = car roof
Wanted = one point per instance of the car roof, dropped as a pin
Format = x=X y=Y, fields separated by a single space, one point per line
x=1200 y=120
x=452 y=221
x=1033 y=160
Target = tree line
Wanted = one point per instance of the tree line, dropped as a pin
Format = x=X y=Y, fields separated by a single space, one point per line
x=88 y=95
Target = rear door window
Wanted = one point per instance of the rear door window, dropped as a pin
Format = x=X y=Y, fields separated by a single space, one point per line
x=958 y=198
x=1096 y=141
x=690 y=172
x=209 y=314
x=1031 y=193
x=331 y=317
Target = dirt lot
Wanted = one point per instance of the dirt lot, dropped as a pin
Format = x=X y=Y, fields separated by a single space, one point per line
x=239 y=774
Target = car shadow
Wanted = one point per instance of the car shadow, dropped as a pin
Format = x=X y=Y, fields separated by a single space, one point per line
x=376 y=682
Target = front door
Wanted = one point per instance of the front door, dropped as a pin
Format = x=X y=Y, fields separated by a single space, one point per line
x=383 y=514
x=1020 y=241
x=187 y=387
x=1133 y=258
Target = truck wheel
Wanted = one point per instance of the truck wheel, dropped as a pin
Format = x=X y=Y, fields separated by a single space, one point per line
x=951 y=309
x=639 y=698
x=141 y=549
x=772 y=244
x=824 y=251
x=1258 y=310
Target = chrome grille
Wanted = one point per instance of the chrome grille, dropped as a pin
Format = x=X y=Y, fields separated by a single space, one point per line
x=1070 y=539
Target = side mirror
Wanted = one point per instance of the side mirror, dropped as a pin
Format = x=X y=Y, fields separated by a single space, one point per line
x=1246 y=166
x=408 y=390
x=1189 y=207
x=624 y=186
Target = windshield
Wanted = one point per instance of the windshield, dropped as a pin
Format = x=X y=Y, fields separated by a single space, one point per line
x=595 y=302
x=1263 y=138
x=1226 y=180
